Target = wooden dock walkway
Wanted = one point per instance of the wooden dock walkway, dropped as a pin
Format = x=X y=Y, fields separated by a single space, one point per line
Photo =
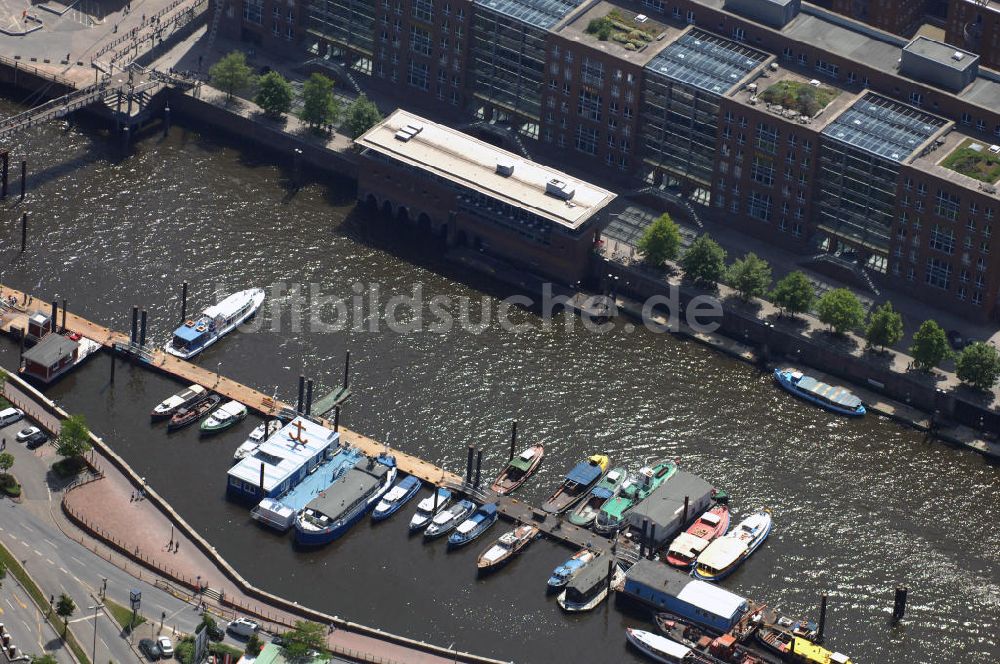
x=509 y=507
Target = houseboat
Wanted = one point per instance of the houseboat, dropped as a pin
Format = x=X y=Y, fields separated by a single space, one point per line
x=589 y=587
x=613 y=514
x=197 y=334
x=519 y=469
x=833 y=398
x=669 y=508
x=578 y=482
x=724 y=555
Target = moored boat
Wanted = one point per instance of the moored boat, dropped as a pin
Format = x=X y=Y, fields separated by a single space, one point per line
x=396 y=497
x=587 y=510
x=224 y=417
x=261 y=432
x=612 y=515
x=474 y=526
x=506 y=547
x=186 y=398
x=428 y=507
x=186 y=416
x=659 y=648
x=589 y=587
x=713 y=648
x=685 y=548
x=584 y=475
x=795 y=648
x=197 y=334
x=518 y=469
x=562 y=574
x=722 y=556
x=448 y=519
x=831 y=397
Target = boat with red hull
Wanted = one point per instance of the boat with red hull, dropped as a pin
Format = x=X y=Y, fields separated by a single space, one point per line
x=685 y=548
x=518 y=470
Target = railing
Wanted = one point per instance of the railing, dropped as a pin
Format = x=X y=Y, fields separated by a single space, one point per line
x=35 y=71
x=53 y=109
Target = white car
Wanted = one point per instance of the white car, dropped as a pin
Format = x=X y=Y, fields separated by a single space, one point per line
x=27 y=433
x=10 y=415
x=166 y=647
x=243 y=627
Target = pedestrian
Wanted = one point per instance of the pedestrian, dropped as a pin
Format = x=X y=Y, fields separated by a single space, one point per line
x=3 y=444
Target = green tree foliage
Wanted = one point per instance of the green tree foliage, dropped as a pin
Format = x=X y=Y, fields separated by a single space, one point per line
x=319 y=106
x=43 y=659
x=274 y=94
x=979 y=365
x=6 y=462
x=750 y=276
x=794 y=293
x=841 y=310
x=705 y=261
x=661 y=241
x=74 y=437
x=305 y=636
x=3 y=572
x=231 y=74
x=362 y=115
x=65 y=607
x=930 y=345
x=885 y=327
x=253 y=646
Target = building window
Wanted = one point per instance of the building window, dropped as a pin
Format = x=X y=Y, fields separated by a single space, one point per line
x=767 y=138
x=739 y=34
x=592 y=72
x=253 y=11
x=977 y=297
x=586 y=139
x=828 y=68
x=938 y=273
x=420 y=40
x=759 y=206
x=423 y=10
x=690 y=17
x=980 y=125
x=916 y=98
x=762 y=170
x=418 y=75
x=589 y=105
x=943 y=239
x=786 y=53
x=290 y=33
x=948 y=205
x=803 y=60
x=852 y=78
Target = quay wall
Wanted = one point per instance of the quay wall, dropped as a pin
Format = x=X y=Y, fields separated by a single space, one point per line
x=273 y=601
x=31 y=76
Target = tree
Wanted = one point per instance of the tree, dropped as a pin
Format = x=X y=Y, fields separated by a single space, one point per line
x=841 y=310
x=253 y=646
x=6 y=462
x=231 y=74
x=979 y=365
x=930 y=345
x=750 y=276
x=274 y=94
x=704 y=261
x=661 y=241
x=362 y=115
x=73 y=440
x=305 y=636
x=65 y=608
x=3 y=572
x=319 y=107
x=794 y=293
x=885 y=327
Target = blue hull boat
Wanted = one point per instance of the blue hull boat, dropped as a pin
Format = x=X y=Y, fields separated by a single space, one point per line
x=446 y=520
x=474 y=526
x=398 y=496
x=565 y=572
x=834 y=399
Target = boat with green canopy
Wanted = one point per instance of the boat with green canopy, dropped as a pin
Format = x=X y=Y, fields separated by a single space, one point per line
x=611 y=517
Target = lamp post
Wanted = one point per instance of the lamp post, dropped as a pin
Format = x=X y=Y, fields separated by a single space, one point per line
x=97 y=609
x=218 y=373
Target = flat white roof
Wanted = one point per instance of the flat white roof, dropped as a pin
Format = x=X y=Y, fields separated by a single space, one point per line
x=711 y=598
x=473 y=163
x=282 y=456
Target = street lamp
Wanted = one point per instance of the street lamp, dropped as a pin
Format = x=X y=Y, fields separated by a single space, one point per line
x=96 y=608
x=218 y=373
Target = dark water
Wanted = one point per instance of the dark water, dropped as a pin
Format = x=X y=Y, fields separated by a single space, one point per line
x=859 y=506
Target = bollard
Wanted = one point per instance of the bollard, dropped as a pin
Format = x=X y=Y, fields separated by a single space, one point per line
x=302 y=389
x=336 y=418
x=24 y=231
x=309 y=397
x=899 y=603
x=822 y=618
x=184 y=301
x=513 y=438
x=24 y=177
x=479 y=464
x=135 y=325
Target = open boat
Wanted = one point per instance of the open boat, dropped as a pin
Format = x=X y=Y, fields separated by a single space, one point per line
x=448 y=519
x=197 y=334
x=398 y=496
x=261 y=432
x=186 y=416
x=584 y=475
x=721 y=557
x=587 y=511
x=506 y=547
x=685 y=548
x=186 y=398
x=589 y=587
x=562 y=574
x=223 y=417
x=612 y=516
x=833 y=398
x=518 y=469
x=661 y=648
x=474 y=526
x=428 y=507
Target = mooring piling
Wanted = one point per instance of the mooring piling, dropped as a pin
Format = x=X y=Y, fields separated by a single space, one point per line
x=135 y=325
x=899 y=603
x=184 y=301
x=309 y=397
x=513 y=439
x=822 y=618
x=302 y=395
x=479 y=465
x=468 y=464
x=24 y=231
x=4 y=172
x=24 y=177
x=142 y=328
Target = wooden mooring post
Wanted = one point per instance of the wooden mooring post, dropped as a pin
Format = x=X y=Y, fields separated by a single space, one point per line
x=513 y=439
x=184 y=302
x=899 y=604
x=24 y=231
x=4 y=172
x=24 y=177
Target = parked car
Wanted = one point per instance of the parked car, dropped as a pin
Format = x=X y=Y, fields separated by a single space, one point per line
x=957 y=341
x=10 y=415
x=243 y=627
x=166 y=647
x=27 y=433
x=149 y=648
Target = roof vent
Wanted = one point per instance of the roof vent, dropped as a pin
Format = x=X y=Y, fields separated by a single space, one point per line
x=641 y=18
x=957 y=56
x=505 y=168
x=408 y=132
x=815 y=83
x=559 y=189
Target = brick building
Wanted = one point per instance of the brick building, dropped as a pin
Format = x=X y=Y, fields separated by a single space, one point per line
x=975 y=26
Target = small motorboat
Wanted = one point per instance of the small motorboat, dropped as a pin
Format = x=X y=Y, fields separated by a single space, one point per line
x=518 y=469
x=506 y=547
x=721 y=557
x=474 y=526
x=261 y=432
x=397 y=496
x=186 y=416
x=833 y=398
x=186 y=398
x=562 y=574
x=584 y=475
x=428 y=507
x=659 y=648
x=223 y=417
x=448 y=519
x=685 y=548
x=587 y=511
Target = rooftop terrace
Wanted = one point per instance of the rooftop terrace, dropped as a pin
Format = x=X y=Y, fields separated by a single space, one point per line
x=706 y=61
x=610 y=28
x=883 y=127
x=976 y=160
